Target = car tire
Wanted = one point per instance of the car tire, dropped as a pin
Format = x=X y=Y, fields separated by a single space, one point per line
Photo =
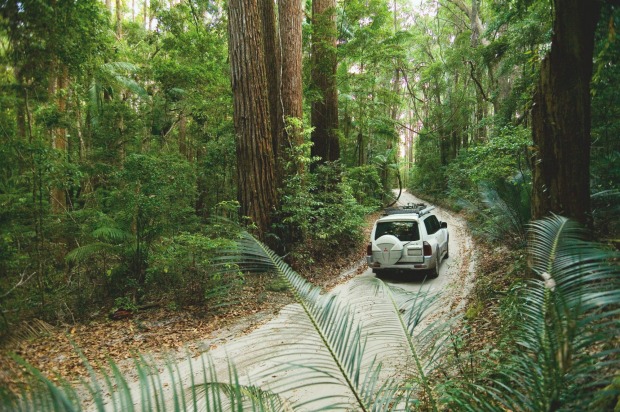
x=435 y=270
x=447 y=255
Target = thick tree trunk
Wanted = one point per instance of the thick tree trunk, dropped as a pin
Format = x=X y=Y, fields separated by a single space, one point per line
x=256 y=190
x=561 y=114
x=324 y=62
x=273 y=66
x=291 y=17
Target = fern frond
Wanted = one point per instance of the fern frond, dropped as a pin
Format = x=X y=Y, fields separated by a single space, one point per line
x=82 y=253
x=338 y=346
x=565 y=353
x=118 y=73
x=110 y=234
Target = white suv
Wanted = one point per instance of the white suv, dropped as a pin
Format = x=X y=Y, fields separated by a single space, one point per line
x=409 y=238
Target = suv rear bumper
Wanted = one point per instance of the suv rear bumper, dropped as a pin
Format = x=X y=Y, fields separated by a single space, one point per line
x=427 y=264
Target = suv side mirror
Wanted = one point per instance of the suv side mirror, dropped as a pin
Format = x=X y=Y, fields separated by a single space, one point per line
x=444 y=225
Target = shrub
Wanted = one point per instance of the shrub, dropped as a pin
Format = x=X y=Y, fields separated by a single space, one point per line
x=365 y=184
x=319 y=212
x=179 y=267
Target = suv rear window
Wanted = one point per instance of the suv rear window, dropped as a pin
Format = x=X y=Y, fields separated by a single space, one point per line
x=404 y=231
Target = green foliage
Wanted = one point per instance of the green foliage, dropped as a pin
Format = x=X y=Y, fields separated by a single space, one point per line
x=563 y=355
x=370 y=48
x=501 y=158
x=492 y=181
x=319 y=211
x=365 y=184
x=181 y=267
x=507 y=210
x=427 y=175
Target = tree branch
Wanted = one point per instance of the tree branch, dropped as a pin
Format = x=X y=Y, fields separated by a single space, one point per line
x=473 y=77
x=23 y=279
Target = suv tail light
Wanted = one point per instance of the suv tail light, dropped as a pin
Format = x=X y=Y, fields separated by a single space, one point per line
x=428 y=250
x=369 y=250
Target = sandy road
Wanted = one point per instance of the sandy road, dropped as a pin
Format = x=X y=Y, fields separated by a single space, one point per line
x=271 y=355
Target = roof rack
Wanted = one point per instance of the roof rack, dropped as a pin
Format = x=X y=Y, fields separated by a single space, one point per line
x=419 y=209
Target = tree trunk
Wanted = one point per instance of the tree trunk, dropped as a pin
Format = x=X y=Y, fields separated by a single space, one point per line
x=273 y=66
x=20 y=92
x=256 y=189
x=57 y=88
x=561 y=114
x=291 y=17
x=182 y=137
x=119 y=19
x=324 y=116
x=147 y=20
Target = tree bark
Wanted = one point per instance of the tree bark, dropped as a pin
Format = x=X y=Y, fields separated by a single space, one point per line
x=119 y=19
x=256 y=190
x=57 y=88
x=561 y=114
x=291 y=18
x=273 y=57
x=324 y=116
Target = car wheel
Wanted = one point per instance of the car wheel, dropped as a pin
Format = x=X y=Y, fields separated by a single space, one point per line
x=447 y=255
x=435 y=270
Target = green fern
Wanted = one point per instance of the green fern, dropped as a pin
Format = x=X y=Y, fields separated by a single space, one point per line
x=567 y=342
x=82 y=253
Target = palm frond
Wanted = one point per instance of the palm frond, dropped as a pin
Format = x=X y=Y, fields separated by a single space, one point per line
x=48 y=397
x=566 y=352
x=253 y=395
x=425 y=339
x=338 y=345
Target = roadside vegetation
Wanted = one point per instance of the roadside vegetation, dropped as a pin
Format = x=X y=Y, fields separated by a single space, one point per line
x=561 y=355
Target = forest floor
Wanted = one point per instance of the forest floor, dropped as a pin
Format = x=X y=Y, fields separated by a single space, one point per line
x=53 y=350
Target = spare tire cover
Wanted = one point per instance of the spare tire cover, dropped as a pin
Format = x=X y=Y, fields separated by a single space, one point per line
x=390 y=250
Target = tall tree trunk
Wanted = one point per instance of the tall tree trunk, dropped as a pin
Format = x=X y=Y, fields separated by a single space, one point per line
x=119 y=19
x=256 y=190
x=561 y=114
x=182 y=137
x=324 y=62
x=291 y=18
x=147 y=19
x=58 y=87
x=273 y=65
x=21 y=104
